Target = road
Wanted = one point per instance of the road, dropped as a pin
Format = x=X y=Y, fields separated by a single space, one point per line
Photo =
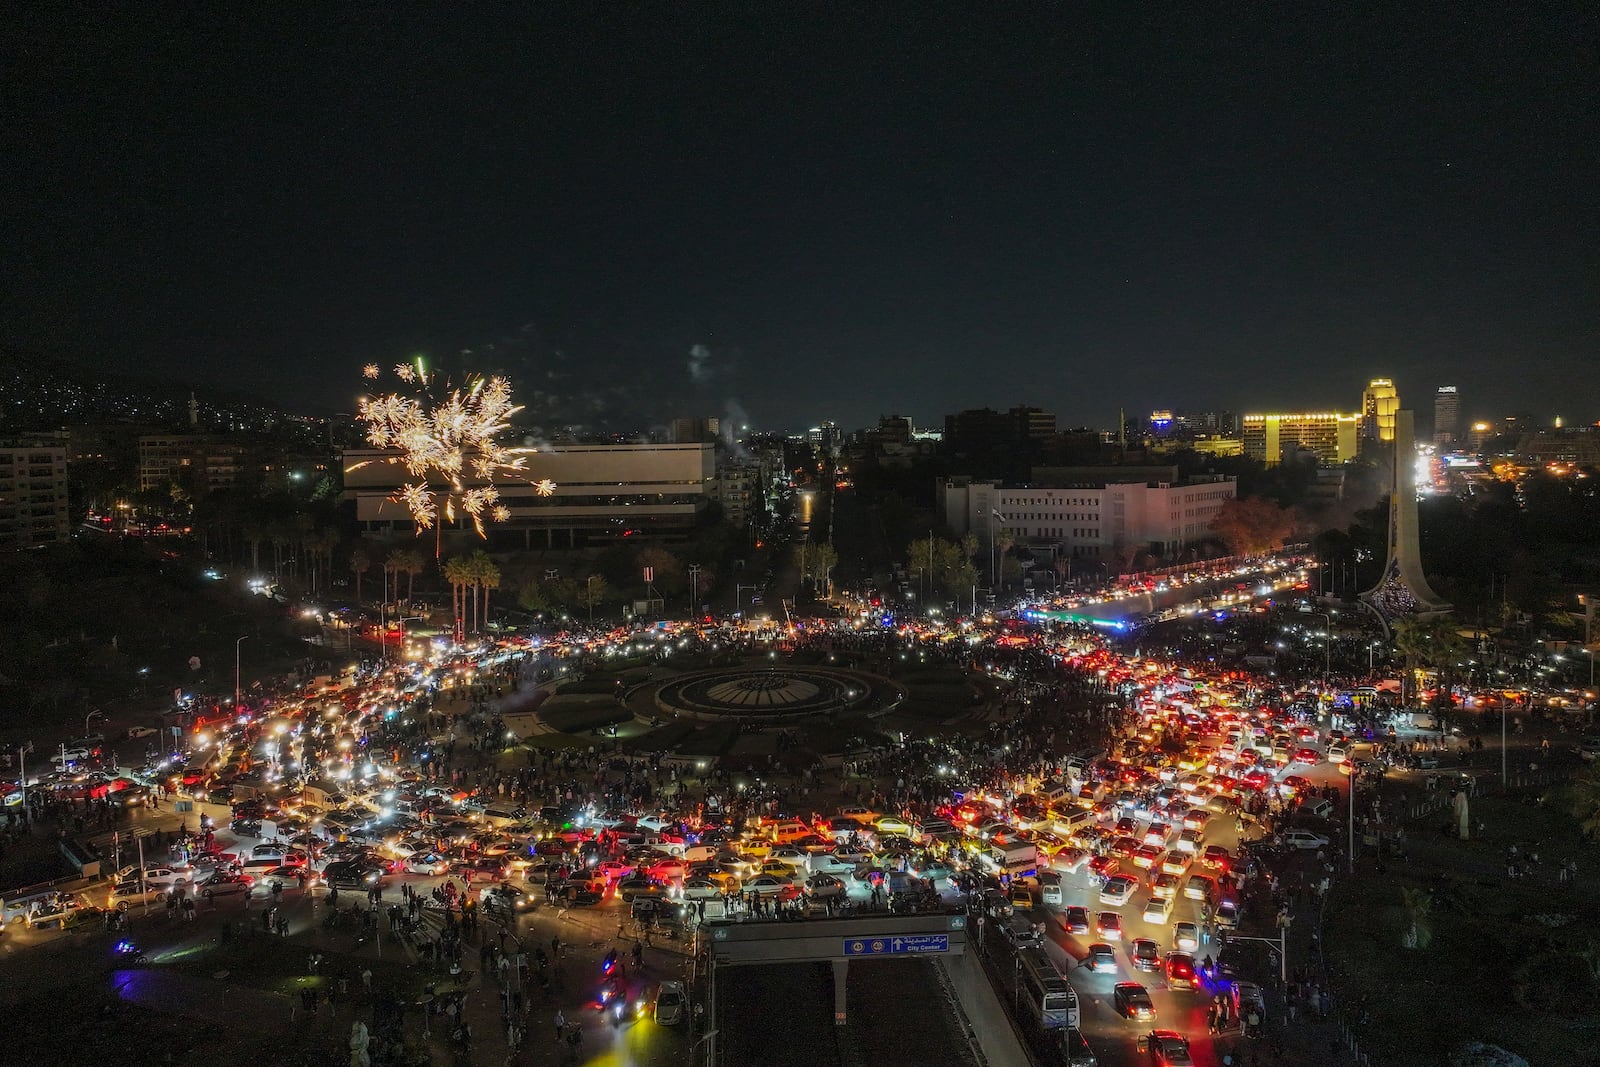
x=587 y=934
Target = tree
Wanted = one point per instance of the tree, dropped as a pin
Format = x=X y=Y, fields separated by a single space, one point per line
x=412 y=564
x=360 y=564
x=1428 y=641
x=815 y=562
x=1586 y=802
x=667 y=569
x=952 y=570
x=458 y=572
x=1416 y=905
x=393 y=564
x=485 y=577
x=1252 y=525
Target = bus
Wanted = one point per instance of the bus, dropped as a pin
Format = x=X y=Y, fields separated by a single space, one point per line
x=1051 y=1000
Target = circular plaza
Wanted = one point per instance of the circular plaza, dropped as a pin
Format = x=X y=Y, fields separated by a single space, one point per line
x=777 y=695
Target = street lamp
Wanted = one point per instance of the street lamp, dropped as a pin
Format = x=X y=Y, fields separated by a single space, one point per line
x=1327 y=649
x=92 y=713
x=236 y=645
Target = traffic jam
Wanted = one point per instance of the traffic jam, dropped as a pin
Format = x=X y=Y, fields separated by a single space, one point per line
x=1109 y=888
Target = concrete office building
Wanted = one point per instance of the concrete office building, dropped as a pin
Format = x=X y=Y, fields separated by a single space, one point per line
x=33 y=491
x=1332 y=437
x=1089 y=511
x=604 y=492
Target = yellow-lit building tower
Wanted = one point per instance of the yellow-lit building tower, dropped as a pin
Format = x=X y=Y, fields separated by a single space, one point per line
x=1379 y=403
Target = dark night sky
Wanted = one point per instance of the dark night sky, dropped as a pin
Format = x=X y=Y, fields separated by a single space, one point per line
x=910 y=208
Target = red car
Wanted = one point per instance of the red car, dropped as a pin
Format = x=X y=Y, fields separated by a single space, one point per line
x=1309 y=756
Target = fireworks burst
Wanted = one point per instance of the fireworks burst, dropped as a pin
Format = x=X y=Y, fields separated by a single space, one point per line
x=451 y=437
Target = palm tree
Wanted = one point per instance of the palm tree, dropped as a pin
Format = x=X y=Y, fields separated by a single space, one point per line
x=360 y=563
x=1416 y=904
x=458 y=573
x=485 y=577
x=393 y=564
x=411 y=564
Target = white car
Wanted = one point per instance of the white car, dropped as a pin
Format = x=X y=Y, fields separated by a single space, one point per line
x=1304 y=839
x=832 y=863
x=165 y=877
x=701 y=889
x=822 y=886
x=1337 y=753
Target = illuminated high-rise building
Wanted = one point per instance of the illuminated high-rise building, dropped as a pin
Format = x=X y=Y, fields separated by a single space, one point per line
x=1379 y=403
x=1328 y=435
x=1446 y=415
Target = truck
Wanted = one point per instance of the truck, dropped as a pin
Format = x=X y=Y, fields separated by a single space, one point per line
x=1015 y=860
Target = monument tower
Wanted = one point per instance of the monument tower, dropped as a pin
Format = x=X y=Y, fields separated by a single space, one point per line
x=1403 y=589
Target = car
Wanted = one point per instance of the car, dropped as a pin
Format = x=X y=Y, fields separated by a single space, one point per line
x=1304 y=839
x=519 y=896
x=1157 y=910
x=1165 y=887
x=613 y=870
x=1216 y=857
x=1147 y=857
x=223 y=884
x=1338 y=753
x=1144 y=954
x=1190 y=841
x=124 y=895
x=134 y=796
x=1175 y=863
x=1308 y=756
x=1227 y=914
x=136 y=732
x=1075 y=920
x=671 y=1006
x=1248 y=997
x=166 y=877
x=823 y=886
x=1156 y=834
x=1132 y=1001
x=1166 y=1048
x=1100 y=957
x=769 y=884
x=630 y=889
x=696 y=888
x=425 y=863
x=1186 y=937
x=1108 y=924
x=1200 y=887
x=1118 y=890
x=351 y=874
x=1180 y=970
x=1022 y=899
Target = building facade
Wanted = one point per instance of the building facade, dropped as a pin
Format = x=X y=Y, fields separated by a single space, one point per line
x=33 y=491
x=1089 y=512
x=1380 y=402
x=1446 y=416
x=604 y=492
x=1332 y=437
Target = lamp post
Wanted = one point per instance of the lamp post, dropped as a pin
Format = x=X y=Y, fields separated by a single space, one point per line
x=236 y=645
x=92 y=713
x=1327 y=650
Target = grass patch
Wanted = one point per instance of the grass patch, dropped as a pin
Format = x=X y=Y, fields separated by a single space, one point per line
x=1493 y=972
x=582 y=715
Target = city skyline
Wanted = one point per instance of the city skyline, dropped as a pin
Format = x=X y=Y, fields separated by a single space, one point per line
x=778 y=218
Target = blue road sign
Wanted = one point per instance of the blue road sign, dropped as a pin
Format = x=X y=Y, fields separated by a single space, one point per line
x=897 y=945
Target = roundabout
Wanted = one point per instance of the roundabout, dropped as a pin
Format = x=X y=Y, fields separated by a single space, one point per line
x=759 y=696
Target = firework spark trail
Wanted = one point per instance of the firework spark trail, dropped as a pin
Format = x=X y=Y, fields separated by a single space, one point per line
x=447 y=437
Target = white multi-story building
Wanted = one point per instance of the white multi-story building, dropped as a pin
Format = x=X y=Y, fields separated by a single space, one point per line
x=33 y=491
x=1089 y=512
x=602 y=492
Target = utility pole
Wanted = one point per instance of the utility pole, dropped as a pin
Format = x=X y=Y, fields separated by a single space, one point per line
x=22 y=771
x=236 y=645
x=694 y=588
